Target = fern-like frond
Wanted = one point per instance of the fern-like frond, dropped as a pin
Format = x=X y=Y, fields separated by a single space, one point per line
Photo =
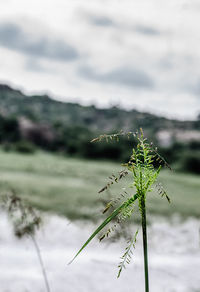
x=108 y=231
x=161 y=191
x=126 y=212
x=126 y=258
x=123 y=195
x=114 y=179
x=160 y=159
x=114 y=137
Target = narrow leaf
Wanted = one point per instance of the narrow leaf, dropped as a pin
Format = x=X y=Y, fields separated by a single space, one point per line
x=105 y=222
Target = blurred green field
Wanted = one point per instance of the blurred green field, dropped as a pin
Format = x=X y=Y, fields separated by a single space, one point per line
x=70 y=187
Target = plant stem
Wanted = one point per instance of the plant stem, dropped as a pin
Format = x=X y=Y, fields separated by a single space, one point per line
x=41 y=263
x=144 y=232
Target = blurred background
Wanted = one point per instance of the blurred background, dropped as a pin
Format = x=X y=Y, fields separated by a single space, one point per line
x=70 y=71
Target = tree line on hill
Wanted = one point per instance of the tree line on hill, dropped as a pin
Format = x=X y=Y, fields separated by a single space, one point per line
x=75 y=141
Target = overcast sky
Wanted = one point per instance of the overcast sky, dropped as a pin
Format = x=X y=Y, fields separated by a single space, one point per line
x=142 y=54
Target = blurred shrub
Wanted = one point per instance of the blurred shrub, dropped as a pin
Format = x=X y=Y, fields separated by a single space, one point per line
x=7 y=147
x=25 y=147
x=194 y=145
x=190 y=162
x=9 y=130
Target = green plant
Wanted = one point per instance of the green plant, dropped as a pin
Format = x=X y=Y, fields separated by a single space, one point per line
x=25 y=221
x=144 y=173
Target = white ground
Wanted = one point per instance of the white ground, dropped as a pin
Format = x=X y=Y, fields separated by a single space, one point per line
x=174 y=259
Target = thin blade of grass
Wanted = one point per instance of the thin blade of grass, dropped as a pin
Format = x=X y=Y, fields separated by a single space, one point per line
x=105 y=222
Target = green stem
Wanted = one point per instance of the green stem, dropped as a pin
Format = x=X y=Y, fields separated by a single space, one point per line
x=144 y=232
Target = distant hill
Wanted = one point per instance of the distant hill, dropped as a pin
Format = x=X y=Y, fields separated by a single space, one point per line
x=43 y=109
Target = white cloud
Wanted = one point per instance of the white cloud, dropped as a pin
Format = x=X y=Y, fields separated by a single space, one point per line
x=155 y=41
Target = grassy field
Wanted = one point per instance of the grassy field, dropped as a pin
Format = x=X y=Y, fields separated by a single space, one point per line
x=70 y=187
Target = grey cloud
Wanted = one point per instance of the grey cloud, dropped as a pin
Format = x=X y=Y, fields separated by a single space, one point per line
x=196 y=88
x=13 y=37
x=190 y=86
x=101 y=20
x=34 y=65
x=108 y=22
x=146 y=30
x=104 y=21
x=121 y=76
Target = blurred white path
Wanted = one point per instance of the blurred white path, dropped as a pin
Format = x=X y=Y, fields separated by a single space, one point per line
x=174 y=259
